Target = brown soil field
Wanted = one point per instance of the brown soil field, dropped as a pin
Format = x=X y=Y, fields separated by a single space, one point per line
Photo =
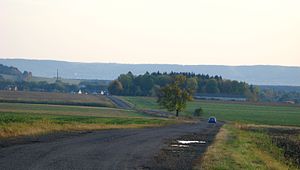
x=286 y=138
x=289 y=141
x=54 y=98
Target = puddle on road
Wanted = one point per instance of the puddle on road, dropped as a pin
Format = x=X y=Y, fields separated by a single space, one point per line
x=191 y=142
x=180 y=146
x=185 y=143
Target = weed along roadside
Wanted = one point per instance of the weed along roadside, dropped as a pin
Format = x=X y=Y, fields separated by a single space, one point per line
x=238 y=146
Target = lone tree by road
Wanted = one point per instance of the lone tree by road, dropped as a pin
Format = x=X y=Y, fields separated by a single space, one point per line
x=175 y=95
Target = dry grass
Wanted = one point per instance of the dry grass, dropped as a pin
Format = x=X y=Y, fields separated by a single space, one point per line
x=248 y=126
x=54 y=98
x=235 y=148
x=45 y=126
x=213 y=152
x=269 y=161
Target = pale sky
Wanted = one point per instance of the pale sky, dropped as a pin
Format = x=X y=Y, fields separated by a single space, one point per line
x=221 y=32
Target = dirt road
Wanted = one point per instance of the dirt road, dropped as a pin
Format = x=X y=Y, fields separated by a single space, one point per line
x=110 y=149
x=119 y=103
x=123 y=105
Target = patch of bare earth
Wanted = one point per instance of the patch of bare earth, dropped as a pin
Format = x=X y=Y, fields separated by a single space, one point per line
x=285 y=137
x=181 y=153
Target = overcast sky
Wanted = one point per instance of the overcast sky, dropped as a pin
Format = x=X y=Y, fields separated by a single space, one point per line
x=231 y=32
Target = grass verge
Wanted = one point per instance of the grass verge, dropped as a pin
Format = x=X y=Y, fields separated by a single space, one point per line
x=236 y=148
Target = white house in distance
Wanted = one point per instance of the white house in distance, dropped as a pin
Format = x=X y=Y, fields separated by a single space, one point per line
x=79 y=92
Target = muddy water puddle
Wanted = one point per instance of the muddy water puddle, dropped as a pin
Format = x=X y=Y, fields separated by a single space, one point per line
x=187 y=143
x=179 y=153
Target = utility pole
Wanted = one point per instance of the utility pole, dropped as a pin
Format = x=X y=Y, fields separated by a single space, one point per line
x=56 y=74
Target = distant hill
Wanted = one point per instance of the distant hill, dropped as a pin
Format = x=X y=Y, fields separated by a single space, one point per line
x=288 y=89
x=258 y=75
x=13 y=73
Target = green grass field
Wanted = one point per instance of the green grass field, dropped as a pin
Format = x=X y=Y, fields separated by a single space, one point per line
x=66 y=110
x=6 y=118
x=17 y=119
x=231 y=111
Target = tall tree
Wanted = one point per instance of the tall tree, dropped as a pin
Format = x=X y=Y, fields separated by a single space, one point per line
x=175 y=95
x=212 y=86
x=192 y=84
x=115 y=87
x=127 y=82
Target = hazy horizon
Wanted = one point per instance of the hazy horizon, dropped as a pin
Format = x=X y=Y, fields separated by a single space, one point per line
x=98 y=62
x=193 y=32
x=257 y=74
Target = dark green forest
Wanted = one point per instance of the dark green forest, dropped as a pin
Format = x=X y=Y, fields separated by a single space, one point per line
x=148 y=84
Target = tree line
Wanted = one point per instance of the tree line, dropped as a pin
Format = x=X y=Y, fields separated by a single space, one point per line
x=57 y=86
x=149 y=84
x=270 y=95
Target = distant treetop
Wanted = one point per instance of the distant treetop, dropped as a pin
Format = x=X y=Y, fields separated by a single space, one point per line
x=147 y=84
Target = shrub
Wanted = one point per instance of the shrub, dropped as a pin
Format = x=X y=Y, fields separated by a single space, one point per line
x=198 y=112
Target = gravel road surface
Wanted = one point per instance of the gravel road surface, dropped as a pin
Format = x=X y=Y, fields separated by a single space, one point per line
x=109 y=149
